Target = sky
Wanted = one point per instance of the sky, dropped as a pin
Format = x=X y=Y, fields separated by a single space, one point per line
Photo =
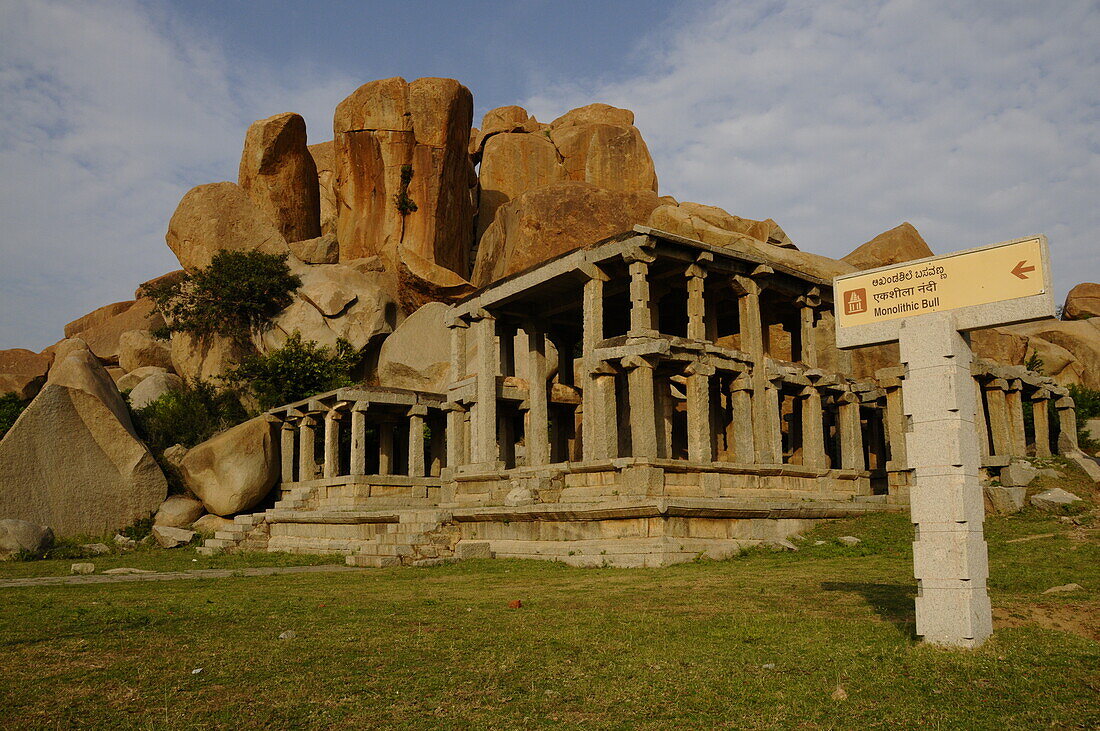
x=978 y=122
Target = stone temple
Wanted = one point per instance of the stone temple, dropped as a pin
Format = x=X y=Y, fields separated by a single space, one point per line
x=641 y=401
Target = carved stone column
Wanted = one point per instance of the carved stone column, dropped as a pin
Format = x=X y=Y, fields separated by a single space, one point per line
x=700 y=427
x=1014 y=401
x=1067 y=425
x=809 y=303
x=813 y=433
x=416 y=440
x=332 y=443
x=457 y=442
x=641 y=313
x=895 y=419
x=643 y=420
x=1041 y=418
x=307 y=464
x=601 y=431
x=359 y=438
x=696 y=302
x=483 y=442
x=538 y=431
x=851 y=432
x=286 y=450
x=744 y=449
x=998 y=417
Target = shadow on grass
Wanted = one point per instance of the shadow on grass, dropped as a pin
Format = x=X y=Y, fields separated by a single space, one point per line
x=892 y=602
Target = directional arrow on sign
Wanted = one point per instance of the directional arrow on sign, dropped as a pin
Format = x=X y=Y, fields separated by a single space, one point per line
x=1021 y=271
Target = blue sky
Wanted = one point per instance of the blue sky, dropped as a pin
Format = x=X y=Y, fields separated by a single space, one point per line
x=977 y=122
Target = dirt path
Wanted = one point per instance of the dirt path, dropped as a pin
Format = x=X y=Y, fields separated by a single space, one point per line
x=173 y=575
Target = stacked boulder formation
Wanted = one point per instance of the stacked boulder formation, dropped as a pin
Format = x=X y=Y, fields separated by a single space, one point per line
x=406 y=210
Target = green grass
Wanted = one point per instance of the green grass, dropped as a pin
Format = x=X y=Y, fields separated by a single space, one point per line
x=761 y=641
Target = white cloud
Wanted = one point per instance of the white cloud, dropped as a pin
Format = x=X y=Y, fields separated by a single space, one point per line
x=109 y=113
x=977 y=122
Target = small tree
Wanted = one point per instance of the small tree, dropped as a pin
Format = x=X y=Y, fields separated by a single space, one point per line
x=235 y=296
x=10 y=408
x=298 y=370
x=187 y=415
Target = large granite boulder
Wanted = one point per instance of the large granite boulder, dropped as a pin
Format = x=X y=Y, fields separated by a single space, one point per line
x=1082 y=302
x=511 y=164
x=389 y=126
x=220 y=216
x=138 y=348
x=178 y=511
x=73 y=460
x=1069 y=350
x=511 y=118
x=321 y=250
x=597 y=113
x=335 y=301
x=280 y=175
x=611 y=156
x=325 y=161
x=552 y=220
x=418 y=353
x=22 y=535
x=153 y=387
x=234 y=470
x=204 y=358
x=103 y=328
x=23 y=372
x=900 y=244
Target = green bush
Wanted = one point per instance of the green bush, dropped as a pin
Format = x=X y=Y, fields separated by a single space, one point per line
x=10 y=408
x=235 y=296
x=1087 y=403
x=188 y=415
x=405 y=205
x=298 y=370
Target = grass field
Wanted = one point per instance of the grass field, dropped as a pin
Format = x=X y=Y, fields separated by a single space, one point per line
x=821 y=638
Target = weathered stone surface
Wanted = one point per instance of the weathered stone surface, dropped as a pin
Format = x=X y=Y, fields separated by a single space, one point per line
x=324 y=159
x=383 y=126
x=234 y=470
x=128 y=381
x=335 y=301
x=321 y=250
x=552 y=220
x=21 y=535
x=169 y=278
x=96 y=549
x=1062 y=588
x=82 y=568
x=1070 y=350
x=899 y=244
x=849 y=541
x=280 y=175
x=169 y=537
x=204 y=358
x=23 y=372
x=1018 y=474
x=512 y=164
x=1054 y=499
x=153 y=387
x=73 y=461
x=511 y=118
x=174 y=454
x=418 y=353
x=210 y=524
x=420 y=282
x=220 y=216
x=597 y=113
x=472 y=549
x=178 y=511
x=608 y=155
x=767 y=231
x=1003 y=500
x=103 y=332
x=138 y=348
x=1082 y=302
x=999 y=346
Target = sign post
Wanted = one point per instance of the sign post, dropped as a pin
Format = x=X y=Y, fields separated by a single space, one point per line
x=927 y=306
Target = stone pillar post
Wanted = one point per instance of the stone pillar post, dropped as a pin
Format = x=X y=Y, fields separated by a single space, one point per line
x=307 y=464
x=601 y=431
x=456 y=434
x=773 y=392
x=851 y=432
x=359 y=438
x=813 y=430
x=1067 y=426
x=1041 y=419
x=700 y=427
x=416 y=440
x=385 y=448
x=332 y=443
x=286 y=450
x=808 y=306
x=1014 y=401
x=641 y=313
x=538 y=430
x=696 y=303
x=895 y=420
x=643 y=418
x=744 y=449
x=484 y=448
x=998 y=417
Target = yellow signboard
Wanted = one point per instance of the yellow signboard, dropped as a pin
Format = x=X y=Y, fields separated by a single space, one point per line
x=977 y=277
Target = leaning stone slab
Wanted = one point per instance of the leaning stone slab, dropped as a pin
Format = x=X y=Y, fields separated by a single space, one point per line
x=1054 y=499
x=167 y=537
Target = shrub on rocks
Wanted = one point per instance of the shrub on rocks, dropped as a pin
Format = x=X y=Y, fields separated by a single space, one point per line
x=10 y=408
x=298 y=370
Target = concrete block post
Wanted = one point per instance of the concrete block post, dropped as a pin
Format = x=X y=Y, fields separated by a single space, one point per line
x=1067 y=426
x=643 y=420
x=307 y=464
x=851 y=432
x=332 y=443
x=949 y=552
x=538 y=432
x=744 y=449
x=1039 y=410
x=416 y=440
x=813 y=431
x=385 y=448
x=998 y=417
x=359 y=438
x=286 y=451
x=484 y=449
x=700 y=427
x=1014 y=401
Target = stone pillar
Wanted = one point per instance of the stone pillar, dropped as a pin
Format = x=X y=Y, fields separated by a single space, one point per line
x=592 y=301
x=851 y=432
x=1041 y=418
x=332 y=443
x=385 y=448
x=1067 y=426
x=748 y=311
x=601 y=431
x=949 y=552
x=484 y=449
x=643 y=418
x=773 y=392
x=458 y=328
x=436 y=448
x=286 y=451
x=895 y=424
x=416 y=440
x=359 y=438
x=744 y=449
x=813 y=430
x=1014 y=401
x=981 y=423
x=641 y=312
x=700 y=427
x=456 y=434
x=307 y=464
x=998 y=417
x=538 y=430
x=748 y=290
x=808 y=306
x=696 y=302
